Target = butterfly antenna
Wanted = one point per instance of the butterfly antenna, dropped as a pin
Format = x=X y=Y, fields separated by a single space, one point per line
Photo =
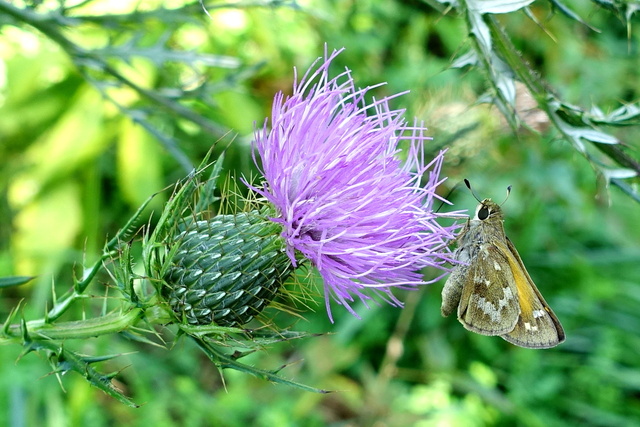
x=508 y=194
x=468 y=184
x=454 y=188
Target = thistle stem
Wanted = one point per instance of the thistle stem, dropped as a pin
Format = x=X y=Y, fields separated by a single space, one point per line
x=77 y=329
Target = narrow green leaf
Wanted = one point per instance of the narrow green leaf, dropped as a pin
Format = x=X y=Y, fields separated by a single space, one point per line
x=618 y=173
x=130 y=228
x=563 y=8
x=626 y=115
x=497 y=6
x=469 y=58
x=631 y=191
x=7 y=282
x=597 y=136
x=207 y=195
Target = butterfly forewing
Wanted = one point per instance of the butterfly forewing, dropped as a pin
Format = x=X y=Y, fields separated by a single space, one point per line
x=489 y=301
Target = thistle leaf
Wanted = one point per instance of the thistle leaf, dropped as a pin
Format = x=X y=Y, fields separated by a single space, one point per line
x=9 y=281
x=225 y=361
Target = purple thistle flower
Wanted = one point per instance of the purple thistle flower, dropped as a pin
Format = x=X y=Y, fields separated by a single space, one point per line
x=345 y=199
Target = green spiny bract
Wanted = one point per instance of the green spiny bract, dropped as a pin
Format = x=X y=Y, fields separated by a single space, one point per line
x=225 y=270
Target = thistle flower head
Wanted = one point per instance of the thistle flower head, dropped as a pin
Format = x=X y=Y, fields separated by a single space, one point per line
x=345 y=199
x=225 y=270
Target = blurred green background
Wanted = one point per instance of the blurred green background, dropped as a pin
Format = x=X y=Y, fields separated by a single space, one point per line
x=132 y=94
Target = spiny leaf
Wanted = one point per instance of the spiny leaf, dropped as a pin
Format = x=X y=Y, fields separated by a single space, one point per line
x=201 y=331
x=224 y=361
x=160 y=54
x=63 y=360
x=266 y=337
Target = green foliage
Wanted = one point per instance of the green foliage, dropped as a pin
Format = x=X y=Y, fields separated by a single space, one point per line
x=103 y=104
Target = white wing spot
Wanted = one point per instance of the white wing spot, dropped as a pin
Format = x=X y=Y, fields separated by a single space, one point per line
x=507 y=295
x=487 y=282
x=539 y=313
x=496 y=266
x=490 y=309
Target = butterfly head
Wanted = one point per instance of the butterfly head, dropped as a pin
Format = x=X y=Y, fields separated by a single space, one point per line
x=488 y=209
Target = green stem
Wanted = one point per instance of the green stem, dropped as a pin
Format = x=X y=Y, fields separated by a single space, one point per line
x=77 y=329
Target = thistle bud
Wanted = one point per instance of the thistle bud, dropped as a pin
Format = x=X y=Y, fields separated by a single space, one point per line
x=225 y=270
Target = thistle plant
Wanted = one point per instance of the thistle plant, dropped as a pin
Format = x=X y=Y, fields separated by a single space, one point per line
x=338 y=197
x=346 y=190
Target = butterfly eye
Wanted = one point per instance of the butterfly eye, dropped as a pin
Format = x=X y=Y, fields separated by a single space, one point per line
x=483 y=213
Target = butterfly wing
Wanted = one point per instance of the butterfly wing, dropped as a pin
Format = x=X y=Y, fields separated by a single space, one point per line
x=452 y=290
x=537 y=325
x=489 y=300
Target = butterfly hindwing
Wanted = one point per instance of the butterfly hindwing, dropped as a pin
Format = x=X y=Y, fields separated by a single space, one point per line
x=537 y=326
